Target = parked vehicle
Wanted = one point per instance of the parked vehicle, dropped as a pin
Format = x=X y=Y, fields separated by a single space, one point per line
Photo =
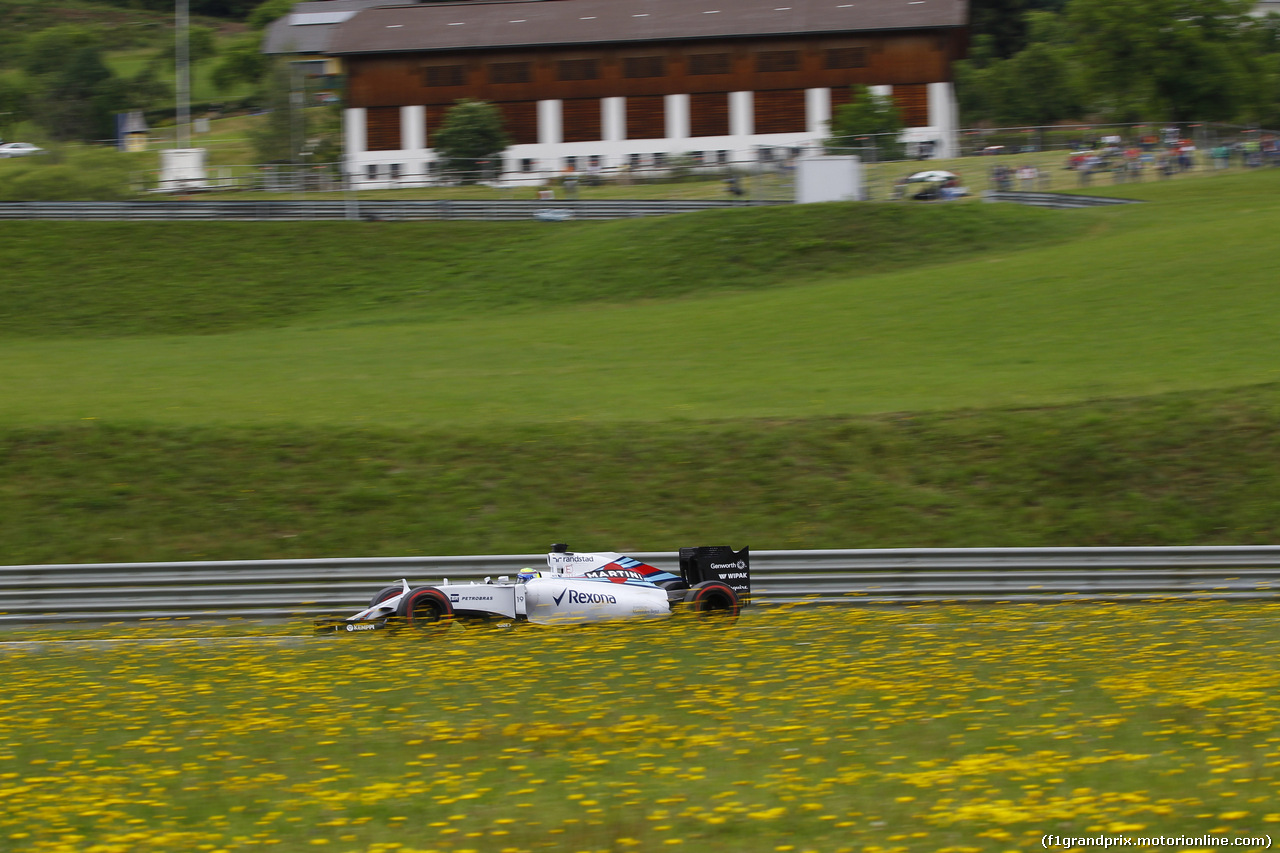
x=19 y=149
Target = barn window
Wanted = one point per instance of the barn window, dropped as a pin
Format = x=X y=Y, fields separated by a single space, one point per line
x=510 y=72
x=446 y=75
x=778 y=60
x=635 y=67
x=846 y=57
x=709 y=63
x=579 y=69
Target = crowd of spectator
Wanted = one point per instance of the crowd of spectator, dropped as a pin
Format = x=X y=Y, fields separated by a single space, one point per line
x=1167 y=155
x=1162 y=154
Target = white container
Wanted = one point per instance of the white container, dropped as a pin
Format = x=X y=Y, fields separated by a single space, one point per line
x=829 y=178
x=182 y=170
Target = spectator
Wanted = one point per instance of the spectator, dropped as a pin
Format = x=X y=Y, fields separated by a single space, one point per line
x=1027 y=177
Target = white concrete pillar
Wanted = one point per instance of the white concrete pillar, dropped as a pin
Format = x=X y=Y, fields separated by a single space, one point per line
x=613 y=119
x=817 y=111
x=742 y=119
x=677 y=112
x=413 y=128
x=944 y=116
x=550 y=122
x=354 y=130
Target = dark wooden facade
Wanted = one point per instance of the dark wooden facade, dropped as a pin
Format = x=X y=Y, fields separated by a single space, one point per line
x=776 y=69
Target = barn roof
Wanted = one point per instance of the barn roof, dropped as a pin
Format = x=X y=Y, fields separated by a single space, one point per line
x=310 y=26
x=535 y=23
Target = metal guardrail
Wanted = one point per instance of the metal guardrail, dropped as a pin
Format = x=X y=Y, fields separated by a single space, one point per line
x=354 y=209
x=280 y=588
x=1055 y=200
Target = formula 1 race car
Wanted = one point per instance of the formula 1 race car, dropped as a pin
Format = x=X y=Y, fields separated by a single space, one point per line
x=575 y=588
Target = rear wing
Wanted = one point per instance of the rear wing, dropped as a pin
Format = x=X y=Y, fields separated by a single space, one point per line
x=718 y=563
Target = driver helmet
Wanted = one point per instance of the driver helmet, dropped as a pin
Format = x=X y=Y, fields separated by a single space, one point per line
x=527 y=575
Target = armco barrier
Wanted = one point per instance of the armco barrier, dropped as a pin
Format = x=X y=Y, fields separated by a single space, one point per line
x=1056 y=200
x=281 y=588
x=353 y=209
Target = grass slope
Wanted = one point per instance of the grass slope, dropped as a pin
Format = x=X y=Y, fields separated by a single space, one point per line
x=642 y=408
x=1178 y=469
x=1144 y=300
x=74 y=279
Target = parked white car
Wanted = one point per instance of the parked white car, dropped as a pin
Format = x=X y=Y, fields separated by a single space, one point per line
x=19 y=149
x=574 y=588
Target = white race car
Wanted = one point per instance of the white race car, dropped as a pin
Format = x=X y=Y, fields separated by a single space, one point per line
x=574 y=588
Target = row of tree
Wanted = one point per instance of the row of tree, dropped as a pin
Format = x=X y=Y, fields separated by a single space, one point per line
x=237 y=10
x=59 y=79
x=1099 y=60
x=1032 y=62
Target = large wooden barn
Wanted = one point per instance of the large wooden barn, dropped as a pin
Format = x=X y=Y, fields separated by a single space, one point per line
x=588 y=85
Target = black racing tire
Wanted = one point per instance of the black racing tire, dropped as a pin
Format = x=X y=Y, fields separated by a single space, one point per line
x=385 y=593
x=424 y=607
x=714 y=600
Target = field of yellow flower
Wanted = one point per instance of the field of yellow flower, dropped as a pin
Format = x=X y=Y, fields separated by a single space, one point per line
x=807 y=729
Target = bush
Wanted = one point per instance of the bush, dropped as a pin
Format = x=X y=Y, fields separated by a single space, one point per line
x=98 y=176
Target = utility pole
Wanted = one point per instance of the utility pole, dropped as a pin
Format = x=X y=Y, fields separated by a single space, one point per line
x=297 y=124
x=182 y=53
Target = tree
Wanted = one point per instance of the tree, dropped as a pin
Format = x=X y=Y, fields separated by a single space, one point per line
x=276 y=140
x=291 y=131
x=237 y=9
x=202 y=43
x=147 y=88
x=47 y=51
x=268 y=12
x=79 y=99
x=869 y=121
x=1004 y=24
x=240 y=61
x=1036 y=86
x=1164 y=60
x=471 y=138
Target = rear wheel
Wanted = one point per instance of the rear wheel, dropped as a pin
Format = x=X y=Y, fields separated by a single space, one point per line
x=424 y=607
x=714 y=599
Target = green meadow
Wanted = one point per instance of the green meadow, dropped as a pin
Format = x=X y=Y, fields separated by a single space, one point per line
x=800 y=377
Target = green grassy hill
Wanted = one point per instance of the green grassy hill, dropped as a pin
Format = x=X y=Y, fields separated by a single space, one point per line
x=826 y=376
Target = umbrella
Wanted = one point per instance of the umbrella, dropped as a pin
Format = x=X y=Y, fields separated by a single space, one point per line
x=931 y=175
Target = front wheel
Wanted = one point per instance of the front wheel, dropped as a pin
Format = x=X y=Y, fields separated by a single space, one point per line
x=425 y=606
x=385 y=593
x=714 y=599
